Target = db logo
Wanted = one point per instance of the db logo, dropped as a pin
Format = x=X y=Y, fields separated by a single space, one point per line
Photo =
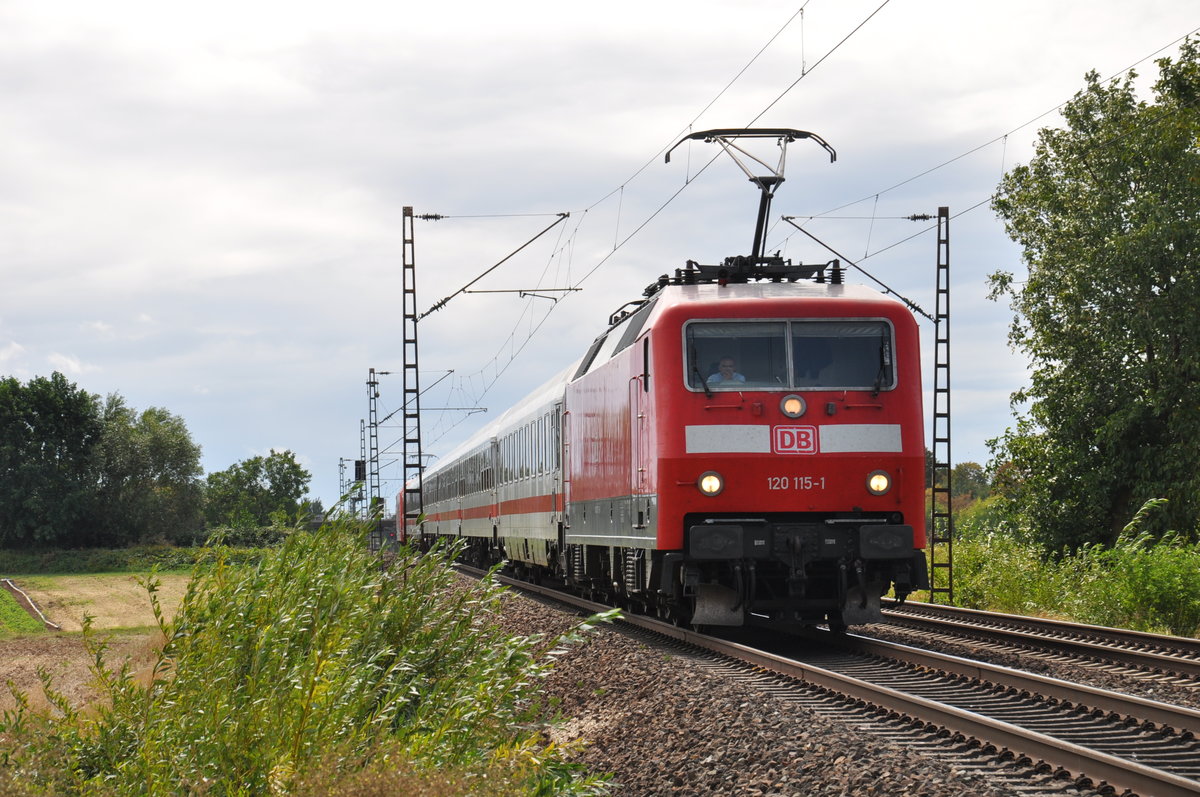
x=794 y=439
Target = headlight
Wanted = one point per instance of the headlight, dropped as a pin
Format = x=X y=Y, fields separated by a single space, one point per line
x=792 y=405
x=710 y=483
x=878 y=482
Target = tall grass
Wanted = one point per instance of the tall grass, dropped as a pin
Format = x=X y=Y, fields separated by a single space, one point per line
x=306 y=674
x=1142 y=583
x=996 y=569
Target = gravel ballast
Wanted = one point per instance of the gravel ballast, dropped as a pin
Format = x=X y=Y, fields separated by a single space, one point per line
x=668 y=725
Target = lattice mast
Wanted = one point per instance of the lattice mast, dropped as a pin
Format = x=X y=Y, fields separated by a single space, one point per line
x=374 y=498
x=412 y=460
x=360 y=471
x=941 y=527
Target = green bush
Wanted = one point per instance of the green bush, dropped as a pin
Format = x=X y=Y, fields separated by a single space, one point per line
x=139 y=559
x=248 y=536
x=995 y=569
x=1141 y=583
x=305 y=669
x=998 y=573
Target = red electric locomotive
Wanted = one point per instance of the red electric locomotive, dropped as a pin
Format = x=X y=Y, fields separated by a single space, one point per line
x=743 y=446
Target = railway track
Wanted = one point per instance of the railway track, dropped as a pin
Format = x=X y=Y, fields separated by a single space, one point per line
x=1135 y=653
x=1033 y=723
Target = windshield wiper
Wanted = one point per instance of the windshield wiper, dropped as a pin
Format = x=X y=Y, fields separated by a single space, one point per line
x=885 y=359
x=703 y=384
x=699 y=376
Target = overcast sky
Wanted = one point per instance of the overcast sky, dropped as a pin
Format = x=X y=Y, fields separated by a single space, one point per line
x=200 y=204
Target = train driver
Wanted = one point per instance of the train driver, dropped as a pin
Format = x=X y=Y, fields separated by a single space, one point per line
x=726 y=373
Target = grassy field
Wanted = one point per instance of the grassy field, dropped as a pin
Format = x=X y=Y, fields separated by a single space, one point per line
x=121 y=610
x=114 y=600
x=14 y=619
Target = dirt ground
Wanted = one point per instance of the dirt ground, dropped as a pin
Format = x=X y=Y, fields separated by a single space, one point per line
x=122 y=615
x=66 y=659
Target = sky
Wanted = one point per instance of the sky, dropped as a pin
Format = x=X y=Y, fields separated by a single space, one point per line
x=201 y=204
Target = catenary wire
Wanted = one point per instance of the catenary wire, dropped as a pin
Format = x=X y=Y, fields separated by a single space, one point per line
x=688 y=181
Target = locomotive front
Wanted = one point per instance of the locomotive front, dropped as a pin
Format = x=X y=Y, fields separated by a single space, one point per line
x=790 y=453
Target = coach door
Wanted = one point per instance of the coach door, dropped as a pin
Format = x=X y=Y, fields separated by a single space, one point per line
x=554 y=464
x=565 y=455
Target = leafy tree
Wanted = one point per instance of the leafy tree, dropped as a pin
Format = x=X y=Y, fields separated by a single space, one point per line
x=49 y=430
x=1108 y=215
x=149 y=475
x=256 y=491
x=969 y=479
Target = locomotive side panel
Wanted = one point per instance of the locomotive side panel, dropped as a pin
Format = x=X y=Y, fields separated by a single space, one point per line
x=606 y=445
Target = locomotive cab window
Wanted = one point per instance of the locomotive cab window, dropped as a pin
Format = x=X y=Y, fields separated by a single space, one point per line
x=735 y=355
x=841 y=354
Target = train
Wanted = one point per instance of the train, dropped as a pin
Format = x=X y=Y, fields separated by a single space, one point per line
x=742 y=446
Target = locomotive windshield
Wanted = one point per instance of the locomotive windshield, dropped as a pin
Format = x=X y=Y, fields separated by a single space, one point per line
x=793 y=355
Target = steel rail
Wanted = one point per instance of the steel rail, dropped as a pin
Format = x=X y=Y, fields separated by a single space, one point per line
x=1117 y=772
x=1041 y=632
x=1179 y=718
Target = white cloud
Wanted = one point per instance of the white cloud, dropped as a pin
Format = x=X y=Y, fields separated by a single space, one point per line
x=69 y=364
x=202 y=204
x=10 y=352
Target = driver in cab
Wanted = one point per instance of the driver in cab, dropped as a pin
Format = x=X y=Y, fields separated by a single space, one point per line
x=726 y=373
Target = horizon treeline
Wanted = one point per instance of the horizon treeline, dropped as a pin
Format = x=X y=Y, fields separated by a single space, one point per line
x=81 y=471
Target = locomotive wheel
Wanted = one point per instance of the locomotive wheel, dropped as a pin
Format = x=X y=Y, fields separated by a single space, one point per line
x=836 y=624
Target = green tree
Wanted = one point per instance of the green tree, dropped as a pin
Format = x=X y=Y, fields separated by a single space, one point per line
x=49 y=430
x=969 y=479
x=1108 y=215
x=150 y=476
x=256 y=491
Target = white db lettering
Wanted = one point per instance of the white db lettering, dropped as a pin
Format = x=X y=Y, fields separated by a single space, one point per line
x=794 y=439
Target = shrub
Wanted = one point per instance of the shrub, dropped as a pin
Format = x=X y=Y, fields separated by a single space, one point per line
x=248 y=536
x=303 y=670
x=1141 y=583
x=140 y=559
x=998 y=573
x=994 y=569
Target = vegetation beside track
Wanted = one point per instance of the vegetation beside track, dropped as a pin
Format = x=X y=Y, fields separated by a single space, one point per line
x=315 y=671
x=1141 y=582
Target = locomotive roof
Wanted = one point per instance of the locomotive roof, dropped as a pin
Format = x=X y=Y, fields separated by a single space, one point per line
x=677 y=294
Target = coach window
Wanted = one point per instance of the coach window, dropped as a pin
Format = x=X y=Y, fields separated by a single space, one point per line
x=546 y=444
x=518 y=460
x=535 y=449
x=524 y=451
x=537 y=446
x=506 y=459
x=757 y=348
